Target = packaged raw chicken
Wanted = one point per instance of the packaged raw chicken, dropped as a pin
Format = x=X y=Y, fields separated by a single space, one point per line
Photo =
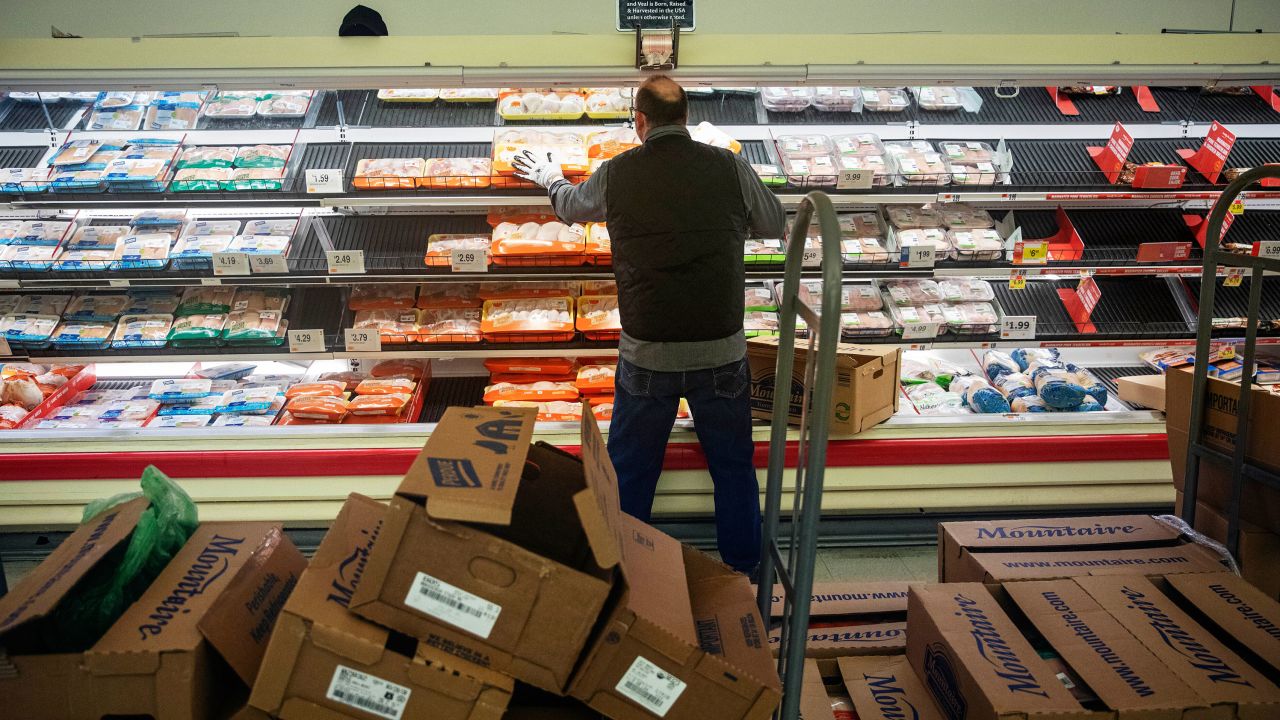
x=440 y=248
x=96 y=307
x=598 y=318
x=814 y=171
x=329 y=408
x=407 y=95
x=349 y=378
x=1014 y=385
x=454 y=173
x=196 y=251
x=253 y=327
x=971 y=318
x=596 y=379
x=786 y=99
x=1058 y=387
x=387 y=173
x=207 y=156
x=202 y=330
x=706 y=133
x=260 y=244
x=610 y=143
x=803 y=146
x=145 y=175
x=965 y=290
x=907 y=217
x=757 y=323
x=120 y=119
x=537 y=318
x=180 y=421
x=255 y=178
x=391 y=296
x=928 y=237
x=917 y=163
x=557 y=411
x=913 y=292
x=884 y=99
x=609 y=103
x=248 y=400
x=538 y=244
x=77 y=181
x=449 y=295
x=983 y=244
x=180 y=391
x=27 y=257
x=599 y=287
x=857 y=145
x=206 y=299
x=860 y=297
x=534 y=392
x=21 y=392
x=959 y=216
x=979 y=396
x=24 y=180
x=28 y=331
x=931 y=399
x=275 y=228
x=389 y=404
x=544 y=104
x=531 y=366
x=393 y=326
x=837 y=99
x=769 y=174
x=92 y=247
x=83 y=334
x=469 y=94
x=875 y=323
x=142 y=331
x=231 y=105
x=1089 y=89
x=938 y=98
x=926 y=313
x=262 y=156
x=42 y=304
x=599 y=246
x=758 y=297
x=971 y=163
x=449 y=325
x=997 y=364
x=173 y=111
x=767 y=252
x=282 y=105
x=200 y=179
x=159 y=219
x=567 y=148
x=881 y=175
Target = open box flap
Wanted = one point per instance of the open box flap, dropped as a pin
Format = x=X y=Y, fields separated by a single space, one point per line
x=1057 y=533
x=41 y=590
x=599 y=507
x=850 y=598
x=471 y=466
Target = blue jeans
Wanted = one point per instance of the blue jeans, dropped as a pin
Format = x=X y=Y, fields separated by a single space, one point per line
x=644 y=411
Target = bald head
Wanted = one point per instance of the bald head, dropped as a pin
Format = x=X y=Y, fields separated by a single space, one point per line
x=662 y=101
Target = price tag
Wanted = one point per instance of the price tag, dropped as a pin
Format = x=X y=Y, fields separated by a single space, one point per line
x=268 y=264
x=1236 y=207
x=1034 y=253
x=919 y=256
x=1017 y=280
x=1235 y=277
x=362 y=340
x=5 y=350
x=1227 y=352
x=230 y=263
x=306 y=341
x=1267 y=249
x=345 y=262
x=470 y=261
x=1018 y=327
x=211 y=281
x=118 y=283
x=811 y=257
x=919 y=331
x=855 y=179
x=324 y=181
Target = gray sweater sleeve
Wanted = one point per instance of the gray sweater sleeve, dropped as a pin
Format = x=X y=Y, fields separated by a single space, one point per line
x=765 y=216
x=580 y=203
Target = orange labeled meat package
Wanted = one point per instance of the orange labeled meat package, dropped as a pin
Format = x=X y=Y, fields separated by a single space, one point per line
x=387 y=404
x=449 y=295
x=495 y=378
x=316 y=407
x=319 y=388
x=411 y=369
x=528 y=315
x=538 y=366
x=557 y=411
x=386 y=386
x=536 y=392
x=455 y=173
x=393 y=326
x=518 y=244
x=598 y=314
x=391 y=296
x=595 y=379
x=349 y=378
x=599 y=247
x=387 y=173
x=450 y=325
x=515 y=290
x=567 y=148
x=605 y=144
x=440 y=248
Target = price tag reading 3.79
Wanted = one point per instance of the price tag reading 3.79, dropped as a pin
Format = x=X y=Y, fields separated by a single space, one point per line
x=345 y=262
x=362 y=340
x=1018 y=327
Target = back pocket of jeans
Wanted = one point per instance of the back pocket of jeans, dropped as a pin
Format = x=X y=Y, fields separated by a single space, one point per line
x=633 y=380
x=732 y=380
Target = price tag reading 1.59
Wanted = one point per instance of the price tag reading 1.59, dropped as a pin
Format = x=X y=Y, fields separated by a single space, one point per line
x=362 y=340
x=324 y=181
x=919 y=256
x=230 y=263
x=306 y=341
x=345 y=262
x=469 y=261
x=1018 y=327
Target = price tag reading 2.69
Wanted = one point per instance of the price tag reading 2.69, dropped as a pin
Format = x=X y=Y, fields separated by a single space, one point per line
x=1018 y=327
x=469 y=261
x=362 y=340
x=345 y=262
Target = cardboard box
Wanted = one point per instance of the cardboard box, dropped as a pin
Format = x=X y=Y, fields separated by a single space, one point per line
x=496 y=551
x=1146 y=391
x=884 y=687
x=1258 y=553
x=1192 y=653
x=961 y=546
x=850 y=619
x=1234 y=609
x=325 y=662
x=865 y=390
x=641 y=664
x=1261 y=505
x=1159 y=561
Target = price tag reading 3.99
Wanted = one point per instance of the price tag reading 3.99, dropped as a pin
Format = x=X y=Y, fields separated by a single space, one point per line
x=345 y=262
x=1018 y=327
x=469 y=261
x=362 y=340
x=855 y=179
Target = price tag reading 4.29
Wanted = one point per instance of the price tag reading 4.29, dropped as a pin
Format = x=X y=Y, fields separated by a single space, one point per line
x=230 y=263
x=306 y=341
x=1018 y=327
x=345 y=262
x=469 y=261
x=362 y=340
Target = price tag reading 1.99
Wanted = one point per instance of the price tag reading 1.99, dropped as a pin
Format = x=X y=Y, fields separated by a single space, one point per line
x=345 y=262
x=362 y=340
x=1018 y=327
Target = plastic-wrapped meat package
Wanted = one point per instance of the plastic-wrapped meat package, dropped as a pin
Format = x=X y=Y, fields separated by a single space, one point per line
x=455 y=173
x=930 y=399
x=541 y=316
x=884 y=99
x=140 y=175
x=917 y=163
x=598 y=315
x=1029 y=358
x=610 y=143
x=252 y=327
x=971 y=318
x=708 y=134
x=284 y=105
x=860 y=297
x=43 y=304
x=811 y=171
x=762 y=298
x=837 y=99
x=393 y=326
x=1028 y=404
x=391 y=296
x=858 y=144
x=609 y=103
x=881 y=175
x=142 y=331
x=567 y=148
x=387 y=173
x=255 y=179
x=124 y=118
x=937 y=98
x=959 y=216
x=203 y=330
x=207 y=156
x=803 y=146
x=928 y=237
x=907 y=217
x=786 y=99
x=279 y=228
x=327 y=409
x=1058 y=387
x=92 y=247
x=28 y=331
x=525 y=290
x=930 y=313
x=262 y=156
x=148 y=251
x=875 y=323
x=83 y=334
x=599 y=247
x=96 y=307
x=979 y=396
x=757 y=323
x=11 y=416
x=195 y=251
x=913 y=292
x=955 y=290
x=533 y=239
x=1014 y=385
x=440 y=248
x=540 y=104
x=200 y=179
x=260 y=244
x=764 y=251
x=232 y=105
x=971 y=245
x=540 y=391
x=997 y=364
x=1093 y=387
x=449 y=325
x=971 y=163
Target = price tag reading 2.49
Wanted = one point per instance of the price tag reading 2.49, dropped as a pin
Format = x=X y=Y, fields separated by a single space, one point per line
x=1018 y=327
x=345 y=262
x=362 y=340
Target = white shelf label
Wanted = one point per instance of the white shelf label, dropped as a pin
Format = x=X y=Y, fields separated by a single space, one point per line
x=345 y=262
x=230 y=263
x=10 y=284
x=1018 y=327
x=324 y=181
x=5 y=350
x=811 y=257
x=268 y=264
x=211 y=281
x=919 y=256
x=919 y=331
x=1268 y=249
x=468 y=261
x=118 y=283
x=362 y=340
x=855 y=179
x=306 y=341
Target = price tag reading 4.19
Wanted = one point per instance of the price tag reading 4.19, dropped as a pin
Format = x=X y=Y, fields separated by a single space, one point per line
x=230 y=263
x=362 y=340
x=855 y=179
x=918 y=256
x=324 y=181
x=469 y=261
x=1018 y=327
x=306 y=341
x=345 y=262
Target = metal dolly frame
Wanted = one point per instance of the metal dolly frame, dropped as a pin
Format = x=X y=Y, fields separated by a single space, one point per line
x=1238 y=463
x=796 y=573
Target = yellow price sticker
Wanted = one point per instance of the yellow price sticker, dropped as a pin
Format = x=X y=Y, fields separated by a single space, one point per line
x=1236 y=207
x=1035 y=251
x=1235 y=277
x=1228 y=352
x=1018 y=281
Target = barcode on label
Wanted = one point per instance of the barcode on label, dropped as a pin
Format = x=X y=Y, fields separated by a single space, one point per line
x=453 y=605
x=648 y=697
x=369 y=693
x=650 y=686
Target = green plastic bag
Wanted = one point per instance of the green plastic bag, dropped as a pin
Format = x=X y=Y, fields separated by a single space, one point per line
x=102 y=596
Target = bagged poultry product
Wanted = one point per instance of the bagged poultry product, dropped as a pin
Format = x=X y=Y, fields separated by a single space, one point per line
x=605 y=144
x=925 y=367
x=1087 y=405
x=997 y=364
x=913 y=292
x=207 y=156
x=956 y=290
x=1057 y=386
x=262 y=156
x=1029 y=404
x=978 y=244
x=979 y=396
x=930 y=399
x=1091 y=384
x=531 y=392
x=1024 y=357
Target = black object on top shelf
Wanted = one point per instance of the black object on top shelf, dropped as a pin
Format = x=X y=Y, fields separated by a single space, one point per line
x=1195 y=105
x=723 y=109
x=16 y=115
x=353 y=107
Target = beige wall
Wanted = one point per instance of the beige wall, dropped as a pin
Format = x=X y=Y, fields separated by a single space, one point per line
x=127 y=18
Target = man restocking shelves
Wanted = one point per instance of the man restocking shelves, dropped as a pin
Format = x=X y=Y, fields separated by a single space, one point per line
x=679 y=213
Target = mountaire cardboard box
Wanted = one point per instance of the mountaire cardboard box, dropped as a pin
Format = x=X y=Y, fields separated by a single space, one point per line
x=864 y=390
x=186 y=650
x=849 y=618
x=1043 y=549
x=496 y=551
x=1233 y=609
x=1258 y=553
x=877 y=687
x=652 y=658
x=326 y=663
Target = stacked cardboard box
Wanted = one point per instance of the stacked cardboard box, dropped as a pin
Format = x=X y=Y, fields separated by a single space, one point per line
x=1258 y=551
x=848 y=619
x=187 y=649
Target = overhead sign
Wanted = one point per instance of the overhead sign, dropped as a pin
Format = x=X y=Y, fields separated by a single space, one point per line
x=655 y=14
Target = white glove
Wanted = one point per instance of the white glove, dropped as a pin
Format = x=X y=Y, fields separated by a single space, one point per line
x=539 y=169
